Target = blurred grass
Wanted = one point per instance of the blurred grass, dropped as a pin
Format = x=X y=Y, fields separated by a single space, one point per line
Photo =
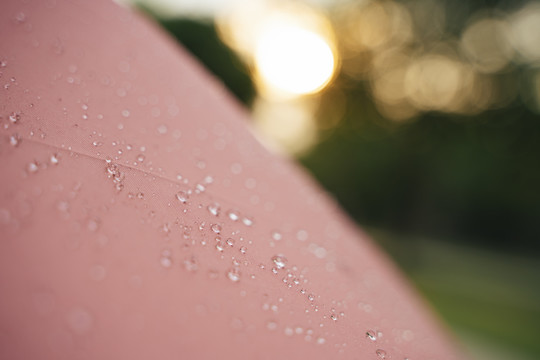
x=489 y=299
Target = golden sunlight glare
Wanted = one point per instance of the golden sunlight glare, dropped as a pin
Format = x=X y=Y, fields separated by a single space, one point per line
x=291 y=60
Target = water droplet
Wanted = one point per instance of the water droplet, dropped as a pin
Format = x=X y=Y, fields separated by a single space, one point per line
x=311 y=297
x=15 y=140
x=80 y=320
x=280 y=261
x=125 y=113
x=214 y=209
x=14 y=117
x=247 y=221
x=230 y=242
x=54 y=159
x=162 y=129
x=250 y=183
x=190 y=264
x=271 y=325
x=165 y=259
x=216 y=228
x=370 y=334
x=333 y=317
x=277 y=236
x=302 y=235
x=407 y=335
x=233 y=274
x=182 y=196
x=321 y=340
x=140 y=158
x=199 y=188
x=298 y=330
x=236 y=168
x=233 y=215
x=381 y=353
x=33 y=167
x=92 y=224
x=219 y=245
x=243 y=249
x=288 y=331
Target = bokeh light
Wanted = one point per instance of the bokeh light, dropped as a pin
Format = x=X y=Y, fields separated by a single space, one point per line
x=526 y=32
x=292 y=60
x=486 y=43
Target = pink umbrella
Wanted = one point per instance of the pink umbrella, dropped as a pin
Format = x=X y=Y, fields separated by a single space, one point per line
x=139 y=217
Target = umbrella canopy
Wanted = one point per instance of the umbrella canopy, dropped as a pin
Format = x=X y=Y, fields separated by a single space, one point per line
x=140 y=218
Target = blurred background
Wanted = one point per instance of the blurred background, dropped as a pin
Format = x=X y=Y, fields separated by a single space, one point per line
x=421 y=117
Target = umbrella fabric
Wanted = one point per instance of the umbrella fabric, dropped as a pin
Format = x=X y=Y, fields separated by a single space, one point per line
x=140 y=218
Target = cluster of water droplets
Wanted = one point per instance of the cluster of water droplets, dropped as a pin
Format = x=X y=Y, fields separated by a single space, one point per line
x=115 y=174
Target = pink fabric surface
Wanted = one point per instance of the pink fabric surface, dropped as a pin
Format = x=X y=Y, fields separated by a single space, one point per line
x=104 y=120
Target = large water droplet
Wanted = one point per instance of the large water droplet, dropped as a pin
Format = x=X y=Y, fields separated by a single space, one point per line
x=280 y=261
